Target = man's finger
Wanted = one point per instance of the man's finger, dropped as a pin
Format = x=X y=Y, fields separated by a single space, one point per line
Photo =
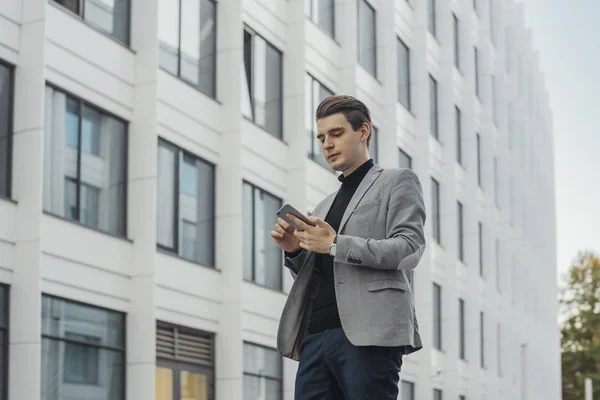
x=320 y=223
x=276 y=235
x=280 y=229
x=298 y=221
x=283 y=224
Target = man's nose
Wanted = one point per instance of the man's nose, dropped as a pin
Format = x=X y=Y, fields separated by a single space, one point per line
x=328 y=143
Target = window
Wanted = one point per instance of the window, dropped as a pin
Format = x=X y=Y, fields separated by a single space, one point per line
x=496 y=189
x=316 y=92
x=108 y=16
x=462 y=347
x=456 y=27
x=433 y=105
x=403 y=74
x=476 y=72
x=185 y=364
x=478 y=144
x=435 y=199
x=437 y=394
x=408 y=391
x=187 y=41
x=83 y=351
x=85 y=159
x=481 y=340
x=322 y=13
x=262 y=84
x=185 y=205
x=461 y=397
x=431 y=23
x=499 y=347
x=263 y=259
x=458 y=118
x=373 y=144
x=3 y=342
x=6 y=99
x=367 y=46
x=437 y=316
x=404 y=160
x=497 y=254
x=263 y=373
x=480 y=236
x=461 y=233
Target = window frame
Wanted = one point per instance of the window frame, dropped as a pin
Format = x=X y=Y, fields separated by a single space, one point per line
x=247 y=29
x=401 y=44
x=411 y=385
x=311 y=17
x=281 y=367
x=178 y=365
x=123 y=350
x=178 y=74
x=80 y=14
x=180 y=152
x=9 y=142
x=434 y=123
x=6 y=330
x=311 y=154
x=254 y=187
x=81 y=104
x=373 y=73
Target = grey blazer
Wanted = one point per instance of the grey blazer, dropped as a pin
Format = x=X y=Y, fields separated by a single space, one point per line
x=380 y=240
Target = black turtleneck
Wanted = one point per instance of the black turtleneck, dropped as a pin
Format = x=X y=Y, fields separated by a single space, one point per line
x=325 y=311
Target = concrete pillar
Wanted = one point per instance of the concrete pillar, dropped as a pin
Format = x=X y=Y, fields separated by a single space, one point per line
x=141 y=207
x=229 y=197
x=28 y=158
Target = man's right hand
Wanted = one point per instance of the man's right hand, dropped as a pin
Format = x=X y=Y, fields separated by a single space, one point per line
x=284 y=236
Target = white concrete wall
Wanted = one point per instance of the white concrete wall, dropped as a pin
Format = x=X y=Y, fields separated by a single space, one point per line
x=41 y=253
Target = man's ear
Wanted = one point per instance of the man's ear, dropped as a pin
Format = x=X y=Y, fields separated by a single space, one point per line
x=365 y=131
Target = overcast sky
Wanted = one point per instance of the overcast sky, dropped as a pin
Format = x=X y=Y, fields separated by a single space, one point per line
x=567 y=35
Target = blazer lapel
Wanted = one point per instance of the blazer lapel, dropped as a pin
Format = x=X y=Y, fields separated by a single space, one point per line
x=365 y=184
x=322 y=211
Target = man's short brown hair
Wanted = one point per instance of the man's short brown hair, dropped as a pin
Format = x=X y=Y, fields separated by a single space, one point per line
x=355 y=111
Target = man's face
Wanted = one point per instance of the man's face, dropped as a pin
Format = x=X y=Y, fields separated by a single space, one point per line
x=342 y=146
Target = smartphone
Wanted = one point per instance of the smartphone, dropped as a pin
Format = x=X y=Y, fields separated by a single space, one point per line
x=288 y=209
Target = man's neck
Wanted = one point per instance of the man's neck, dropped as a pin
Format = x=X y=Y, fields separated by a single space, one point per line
x=358 y=164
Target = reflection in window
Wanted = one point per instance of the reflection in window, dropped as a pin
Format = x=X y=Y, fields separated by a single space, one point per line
x=262 y=257
x=109 y=16
x=263 y=373
x=6 y=93
x=321 y=12
x=367 y=46
x=84 y=163
x=316 y=92
x=83 y=351
x=187 y=34
x=262 y=82
x=185 y=211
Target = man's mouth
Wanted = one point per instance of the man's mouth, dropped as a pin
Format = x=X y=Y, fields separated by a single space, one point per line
x=333 y=155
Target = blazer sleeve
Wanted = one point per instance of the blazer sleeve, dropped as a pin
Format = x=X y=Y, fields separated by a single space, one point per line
x=294 y=261
x=405 y=239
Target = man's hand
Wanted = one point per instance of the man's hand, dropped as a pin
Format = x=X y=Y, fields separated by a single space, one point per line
x=284 y=236
x=314 y=238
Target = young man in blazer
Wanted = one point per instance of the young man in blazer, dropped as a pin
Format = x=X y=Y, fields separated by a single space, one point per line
x=350 y=316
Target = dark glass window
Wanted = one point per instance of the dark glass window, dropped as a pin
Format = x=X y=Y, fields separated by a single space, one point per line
x=476 y=70
x=458 y=118
x=437 y=316
x=456 y=28
x=462 y=347
x=461 y=233
x=408 y=390
x=436 y=223
x=263 y=259
x=83 y=351
x=6 y=104
x=405 y=161
x=187 y=35
x=85 y=158
x=186 y=208
x=431 y=22
x=433 y=108
x=109 y=16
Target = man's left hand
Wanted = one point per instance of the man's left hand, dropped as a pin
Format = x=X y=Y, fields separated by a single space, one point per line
x=314 y=238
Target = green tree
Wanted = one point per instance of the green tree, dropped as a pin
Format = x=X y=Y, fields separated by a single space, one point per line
x=580 y=331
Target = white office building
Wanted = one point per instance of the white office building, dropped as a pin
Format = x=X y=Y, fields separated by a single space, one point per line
x=146 y=145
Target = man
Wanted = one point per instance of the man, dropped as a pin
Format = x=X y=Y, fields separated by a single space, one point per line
x=349 y=317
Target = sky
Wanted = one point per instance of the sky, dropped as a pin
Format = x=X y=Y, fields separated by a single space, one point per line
x=567 y=37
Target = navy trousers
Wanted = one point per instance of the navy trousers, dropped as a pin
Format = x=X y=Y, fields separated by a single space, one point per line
x=332 y=368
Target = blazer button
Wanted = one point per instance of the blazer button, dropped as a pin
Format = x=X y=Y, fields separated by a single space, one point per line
x=359 y=261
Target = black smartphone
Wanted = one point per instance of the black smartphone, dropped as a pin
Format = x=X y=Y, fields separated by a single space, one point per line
x=288 y=209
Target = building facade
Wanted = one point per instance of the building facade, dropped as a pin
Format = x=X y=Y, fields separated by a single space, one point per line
x=146 y=145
